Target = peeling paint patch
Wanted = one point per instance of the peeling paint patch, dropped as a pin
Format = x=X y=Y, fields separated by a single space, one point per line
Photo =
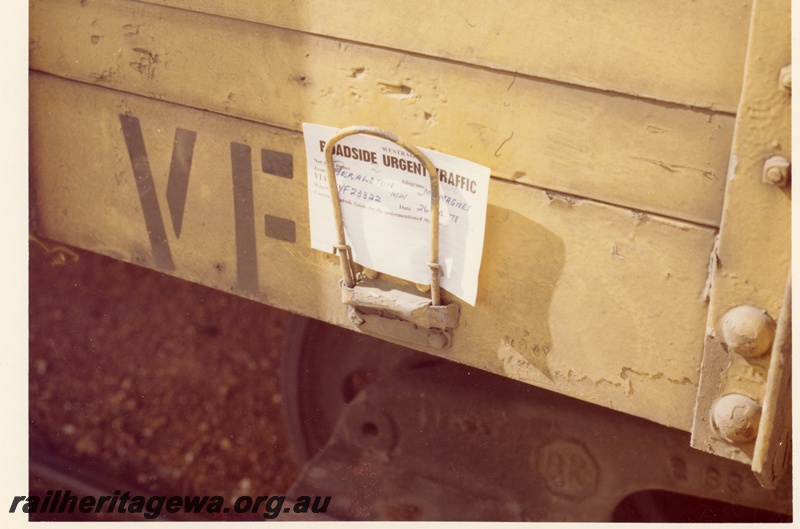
x=146 y=63
x=625 y=381
x=618 y=248
x=396 y=91
x=654 y=376
x=639 y=218
x=131 y=30
x=561 y=198
x=734 y=162
x=516 y=366
x=713 y=263
x=625 y=384
x=106 y=76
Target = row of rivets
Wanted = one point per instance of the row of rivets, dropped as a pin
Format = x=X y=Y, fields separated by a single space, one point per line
x=747 y=331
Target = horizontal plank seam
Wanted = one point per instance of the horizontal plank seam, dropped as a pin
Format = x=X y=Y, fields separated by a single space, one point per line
x=649 y=99
x=555 y=192
x=578 y=198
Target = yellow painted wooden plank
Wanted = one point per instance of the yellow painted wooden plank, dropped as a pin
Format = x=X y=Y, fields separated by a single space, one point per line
x=650 y=156
x=590 y=300
x=681 y=51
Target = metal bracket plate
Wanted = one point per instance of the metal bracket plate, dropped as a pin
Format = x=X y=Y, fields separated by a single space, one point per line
x=751 y=260
x=382 y=308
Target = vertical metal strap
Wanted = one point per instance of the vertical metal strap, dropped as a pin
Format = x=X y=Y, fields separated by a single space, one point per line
x=341 y=247
x=774 y=431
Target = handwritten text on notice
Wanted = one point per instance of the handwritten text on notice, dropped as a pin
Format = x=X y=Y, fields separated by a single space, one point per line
x=385 y=196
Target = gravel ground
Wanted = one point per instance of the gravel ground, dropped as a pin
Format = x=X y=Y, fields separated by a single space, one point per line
x=150 y=383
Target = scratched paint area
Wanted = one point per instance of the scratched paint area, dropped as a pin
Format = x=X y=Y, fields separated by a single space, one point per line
x=586 y=325
x=656 y=50
x=656 y=157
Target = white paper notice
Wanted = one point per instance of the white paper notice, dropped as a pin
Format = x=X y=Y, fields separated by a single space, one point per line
x=385 y=196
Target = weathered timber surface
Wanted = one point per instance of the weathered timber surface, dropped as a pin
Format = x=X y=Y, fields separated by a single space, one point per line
x=648 y=155
x=679 y=51
x=587 y=299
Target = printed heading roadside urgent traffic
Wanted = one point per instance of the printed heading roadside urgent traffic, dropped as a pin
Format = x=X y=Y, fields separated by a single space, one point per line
x=385 y=198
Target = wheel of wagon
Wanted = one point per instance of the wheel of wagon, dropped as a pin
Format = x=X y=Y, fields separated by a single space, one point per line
x=323 y=368
x=326 y=367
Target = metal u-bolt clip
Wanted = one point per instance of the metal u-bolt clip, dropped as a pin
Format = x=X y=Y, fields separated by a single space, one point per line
x=341 y=247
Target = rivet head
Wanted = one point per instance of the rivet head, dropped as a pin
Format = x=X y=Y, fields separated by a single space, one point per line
x=747 y=331
x=777 y=171
x=735 y=417
x=774 y=175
